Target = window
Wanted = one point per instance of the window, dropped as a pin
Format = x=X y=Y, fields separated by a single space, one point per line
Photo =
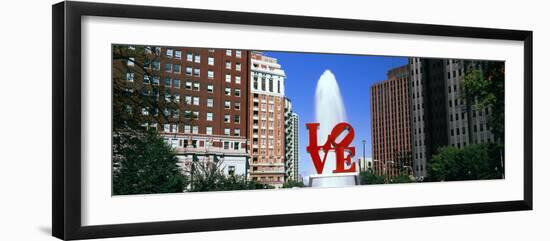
x=146 y=79
x=210 y=74
x=195 y=130
x=237 y=79
x=188 y=85
x=167 y=82
x=231 y=170
x=196 y=115
x=130 y=77
x=195 y=100
x=156 y=80
x=227 y=104
x=156 y=65
x=227 y=91
x=177 y=68
x=210 y=88
x=190 y=57
x=197 y=58
x=238 y=67
x=227 y=119
x=196 y=86
x=227 y=132
x=210 y=60
x=197 y=72
x=188 y=70
x=210 y=102
x=237 y=132
x=237 y=105
x=228 y=78
x=228 y=52
x=176 y=83
x=169 y=53
x=188 y=100
x=237 y=119
x=168 y=67
x=130 y=61
x=209 y=130
x=227 y=64
x=209 y=116
x=178 y=54
x=237 y=92
x=187 y=129
x=238 y=53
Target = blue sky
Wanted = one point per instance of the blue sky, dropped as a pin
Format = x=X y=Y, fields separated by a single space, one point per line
x=355 y=74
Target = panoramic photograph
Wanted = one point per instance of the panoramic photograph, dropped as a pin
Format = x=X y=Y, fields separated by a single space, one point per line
x=194 y=119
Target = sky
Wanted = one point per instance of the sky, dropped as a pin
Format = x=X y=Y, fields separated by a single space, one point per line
x=354 y=74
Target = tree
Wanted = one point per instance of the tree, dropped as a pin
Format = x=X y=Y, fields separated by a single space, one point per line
x=209 y=176
x=143 y=163
x=293 y=183
x=369 y=177
x=473 y=162
x=485 y=89
x=402 y=179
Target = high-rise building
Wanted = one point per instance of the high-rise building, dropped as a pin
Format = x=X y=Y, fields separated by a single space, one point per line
x=291 y=143
x=440 y=114
x=201 y=96
x=390 y=120
x=266 y=120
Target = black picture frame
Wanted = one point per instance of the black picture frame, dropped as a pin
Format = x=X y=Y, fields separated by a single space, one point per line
x=66 y=128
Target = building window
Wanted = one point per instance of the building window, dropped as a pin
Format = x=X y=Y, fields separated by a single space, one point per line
x=196 y=115
x=156 y=65
x=209 y=116
x=169 y=53
x=196 y=86
x=227 y=91
x=195 y=100
x=197 y=58
x=227 y=119
x=210 y=88
x=238 y=66
x=228 y=78
x=227 y=64
x=168 y=67
x=227 y=132
x=227 y=104
x=211 y=61
x=188 y=100
x=195 y=130
x=238 y=53
x=197 y=72
x=176 y=83
x=130 y=77
x=178 y=54
x=228 y=52
x=209 y=130
x=237 y=105
x=188 y=71
x=177 y=68
x=167 y=81
x=188 y=85
x=237 y=132
x=231 y=170
x=237 y=119
x=146 y=79
x=187 y=129
x=130 y=61
x=190 y=57
x=210 y=74
x=237 y=92
x=237 y=79
x=210 y=102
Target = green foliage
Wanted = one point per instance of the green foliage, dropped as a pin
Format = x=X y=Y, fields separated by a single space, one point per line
x=293 y=183
x=402 y=179
x=369 y=177
x=209 y=176
x=473 y=162
x=143 y=163
x=487 y=88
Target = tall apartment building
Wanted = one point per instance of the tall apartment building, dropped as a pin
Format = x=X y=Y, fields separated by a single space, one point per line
x=201 y=95
x=291 y=143
x=440 y=115
x=266 y=137
x=390 y=120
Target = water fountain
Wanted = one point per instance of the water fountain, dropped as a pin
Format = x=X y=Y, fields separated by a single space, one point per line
x=329 y=111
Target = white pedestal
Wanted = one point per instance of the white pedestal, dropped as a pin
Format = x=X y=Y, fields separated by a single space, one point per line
x=334 y=180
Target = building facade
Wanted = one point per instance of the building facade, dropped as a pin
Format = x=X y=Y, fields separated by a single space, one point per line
x=291 y=143
x=196 y=98
x=390 y=120
x=266 y=120
x=440 y=114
